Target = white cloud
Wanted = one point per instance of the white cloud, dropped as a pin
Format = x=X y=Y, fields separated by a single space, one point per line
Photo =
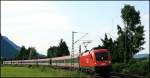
x=37 y=22
x=145 y=17
x=36 y=15
x=41 y=24
x=27 y=6
x=32 y=23
x=145 y=22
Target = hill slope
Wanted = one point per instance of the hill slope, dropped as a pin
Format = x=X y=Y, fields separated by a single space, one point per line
x=8 y=48
x=141 y=56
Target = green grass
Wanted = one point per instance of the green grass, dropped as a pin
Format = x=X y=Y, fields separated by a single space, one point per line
x=13 y=71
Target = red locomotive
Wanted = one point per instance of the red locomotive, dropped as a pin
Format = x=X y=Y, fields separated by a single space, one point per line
x=100 y=59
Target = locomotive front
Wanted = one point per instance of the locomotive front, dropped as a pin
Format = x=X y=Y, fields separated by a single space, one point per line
x=103 y=60
x=100 y=59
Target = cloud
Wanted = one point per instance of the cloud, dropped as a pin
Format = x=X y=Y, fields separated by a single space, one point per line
x=145 y=20
x=38 y=21
x=145 y=17
x=41 y=24
x=34 y=23
x=27 y=6
x=32 y=15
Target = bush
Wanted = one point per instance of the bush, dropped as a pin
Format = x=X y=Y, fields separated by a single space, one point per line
x=134 y=66
x=140 y=67
x=29 y=66
x=132 y=61
x=125 y=70
x=117 y=67
x=148 y=75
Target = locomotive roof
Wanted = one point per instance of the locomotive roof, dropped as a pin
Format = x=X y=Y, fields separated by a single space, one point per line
x=100 y=50
x=95 y=51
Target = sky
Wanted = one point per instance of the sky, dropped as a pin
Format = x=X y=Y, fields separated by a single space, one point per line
x=42 y=24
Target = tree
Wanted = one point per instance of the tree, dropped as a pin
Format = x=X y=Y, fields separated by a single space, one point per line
x=108 y=43
x=63 y=48
x=24 y=53
x=52 y=51
x=130 y=37
x=57 y=51
x=33 y=51
x=49 y=53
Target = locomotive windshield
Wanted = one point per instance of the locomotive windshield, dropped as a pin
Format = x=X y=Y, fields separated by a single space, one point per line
x=102 y=56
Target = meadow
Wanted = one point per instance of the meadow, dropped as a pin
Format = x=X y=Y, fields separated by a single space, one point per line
x=16 y=71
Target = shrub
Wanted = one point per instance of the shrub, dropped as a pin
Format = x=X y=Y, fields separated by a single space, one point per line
x=132 y=61
x=148 y=75
x=125 y=70
x=134 y=66
x=117 y=67
x=29 y=66
x=140 y=67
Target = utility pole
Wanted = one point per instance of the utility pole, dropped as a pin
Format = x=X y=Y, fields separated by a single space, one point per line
x=30 y=54
x=79 y=56
x=73 y=42
x=37 y=59
x=72 y=53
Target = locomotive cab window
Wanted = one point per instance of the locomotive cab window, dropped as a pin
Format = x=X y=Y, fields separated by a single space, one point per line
x=102 y=56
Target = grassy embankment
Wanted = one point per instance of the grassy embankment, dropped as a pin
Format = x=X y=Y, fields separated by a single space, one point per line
x=13 y=71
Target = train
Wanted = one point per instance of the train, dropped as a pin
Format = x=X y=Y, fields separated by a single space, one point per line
x=97 y=59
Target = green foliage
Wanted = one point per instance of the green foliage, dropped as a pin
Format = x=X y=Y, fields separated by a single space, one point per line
x=117 y=67
x=63 y=48
x=132 y=61
x=130 y=16
x=107 y=43
x=148 y=75
x=22 y=54
x=25 y=54
x=52 y=51
x=1 y=61
x=57 y=51
x=130 y=38
x=139 y=67
x=126 y=71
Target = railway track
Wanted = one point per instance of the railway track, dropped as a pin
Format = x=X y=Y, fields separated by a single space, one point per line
x=125 y=75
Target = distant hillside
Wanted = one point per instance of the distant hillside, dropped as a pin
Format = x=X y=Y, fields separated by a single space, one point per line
x=141 y=56
x=41 y=55
x=8 y=48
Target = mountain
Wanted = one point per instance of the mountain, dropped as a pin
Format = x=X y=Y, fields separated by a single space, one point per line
x=41 y=56
x=8 y=48
x=141 y=56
